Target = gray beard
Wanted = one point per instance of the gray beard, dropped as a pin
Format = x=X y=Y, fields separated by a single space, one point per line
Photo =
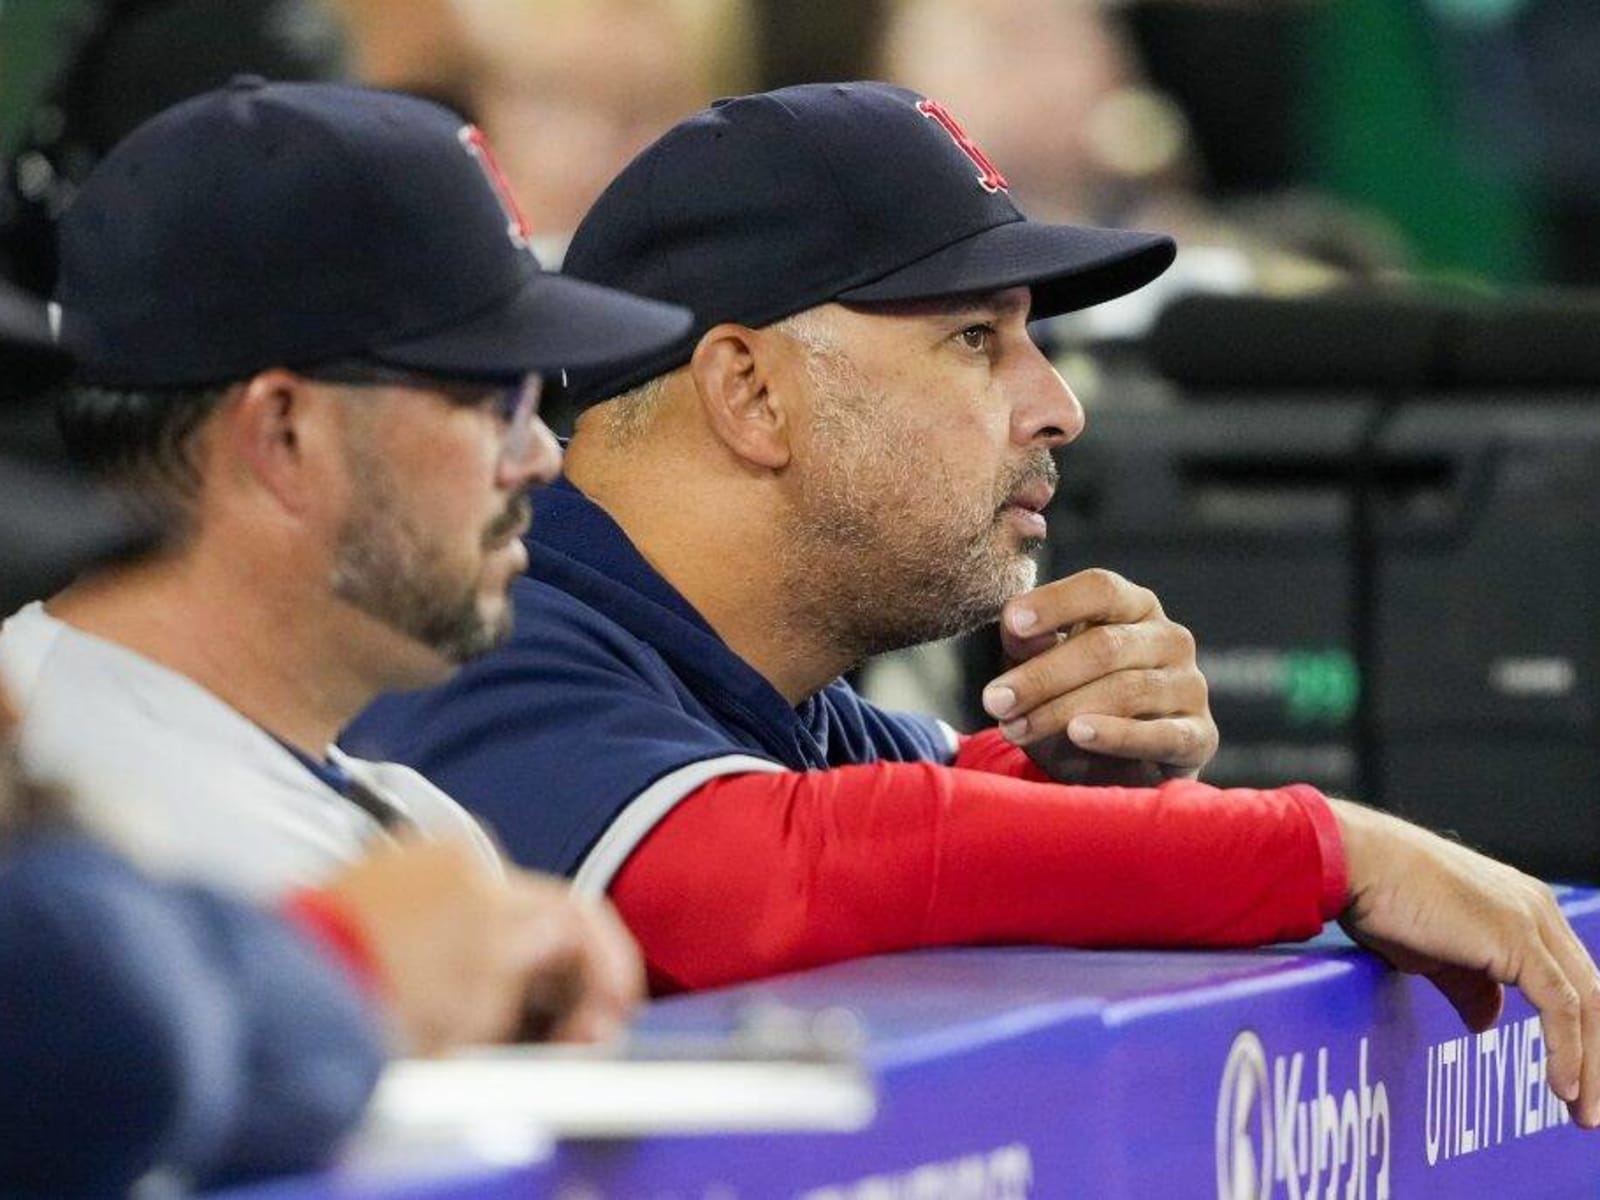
x=865 y=606
x=859 y=590
x=387 y=583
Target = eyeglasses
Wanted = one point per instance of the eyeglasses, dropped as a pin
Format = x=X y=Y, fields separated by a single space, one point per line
x=515 y=401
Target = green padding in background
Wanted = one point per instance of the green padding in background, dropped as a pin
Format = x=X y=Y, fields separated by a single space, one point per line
x=33 y=36
x=1380 y=133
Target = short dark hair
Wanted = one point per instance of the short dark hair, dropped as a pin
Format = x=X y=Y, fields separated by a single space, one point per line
x=139 y=439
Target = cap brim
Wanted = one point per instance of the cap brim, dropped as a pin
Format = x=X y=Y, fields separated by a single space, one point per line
x=549 y=323
x=1068 y=267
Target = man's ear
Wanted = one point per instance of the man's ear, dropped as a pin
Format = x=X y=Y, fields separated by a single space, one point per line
x=276 y=428
x=743 y=380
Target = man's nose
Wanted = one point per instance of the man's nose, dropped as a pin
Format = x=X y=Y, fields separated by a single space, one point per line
x=531 y=458
x=1046 y=411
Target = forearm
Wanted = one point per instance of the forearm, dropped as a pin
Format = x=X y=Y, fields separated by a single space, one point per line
x=753 y=875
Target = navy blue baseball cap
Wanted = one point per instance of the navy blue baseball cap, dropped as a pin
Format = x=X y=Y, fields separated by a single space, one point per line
x=763 y=206
x=292 y=224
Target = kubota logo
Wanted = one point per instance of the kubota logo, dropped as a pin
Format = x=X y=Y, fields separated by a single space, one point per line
x=1244 y=1123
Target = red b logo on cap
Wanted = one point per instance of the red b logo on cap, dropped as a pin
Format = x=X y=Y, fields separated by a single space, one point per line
x=989 y=177
x=475 y=144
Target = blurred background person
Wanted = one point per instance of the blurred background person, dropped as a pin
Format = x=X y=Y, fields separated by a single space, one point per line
x=1033 y=82
x=1063 y=92
x=1444 y=133
x=573 y=89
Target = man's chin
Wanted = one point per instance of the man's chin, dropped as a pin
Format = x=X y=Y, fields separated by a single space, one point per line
x=469 y=635
x=1010 y=550
x=978 y=599
x=488 y=633
x=1023 y=575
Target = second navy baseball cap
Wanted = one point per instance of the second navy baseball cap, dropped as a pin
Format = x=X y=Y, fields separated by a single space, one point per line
x=763 y=206
x=291 y=224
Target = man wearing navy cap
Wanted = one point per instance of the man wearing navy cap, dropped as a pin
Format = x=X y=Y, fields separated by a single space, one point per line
x=310 y=340
x=151 y=1025
x=851 y=452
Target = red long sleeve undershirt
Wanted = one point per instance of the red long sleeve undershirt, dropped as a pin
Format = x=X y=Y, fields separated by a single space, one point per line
x=755 y=874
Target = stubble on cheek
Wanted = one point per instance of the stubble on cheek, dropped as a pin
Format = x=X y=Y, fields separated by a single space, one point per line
x=392 y=564
x=885 y=552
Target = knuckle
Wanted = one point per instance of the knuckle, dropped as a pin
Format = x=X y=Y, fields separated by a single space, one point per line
x=1104 y=585
x=1530 y=915
x=1129 y=692
x=1183 y=642
x=1106 y=646
x=1542 y=906
x=1591 y=991
x=1050 y=716
x=1564 y=1003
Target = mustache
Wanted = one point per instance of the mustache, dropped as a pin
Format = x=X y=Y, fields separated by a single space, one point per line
x=516 y=518
x=1038 y=468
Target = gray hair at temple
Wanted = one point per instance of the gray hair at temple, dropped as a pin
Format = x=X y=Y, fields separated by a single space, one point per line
x=631 y=414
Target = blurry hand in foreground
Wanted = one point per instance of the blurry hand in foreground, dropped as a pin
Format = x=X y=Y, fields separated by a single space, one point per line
x=465 y=958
